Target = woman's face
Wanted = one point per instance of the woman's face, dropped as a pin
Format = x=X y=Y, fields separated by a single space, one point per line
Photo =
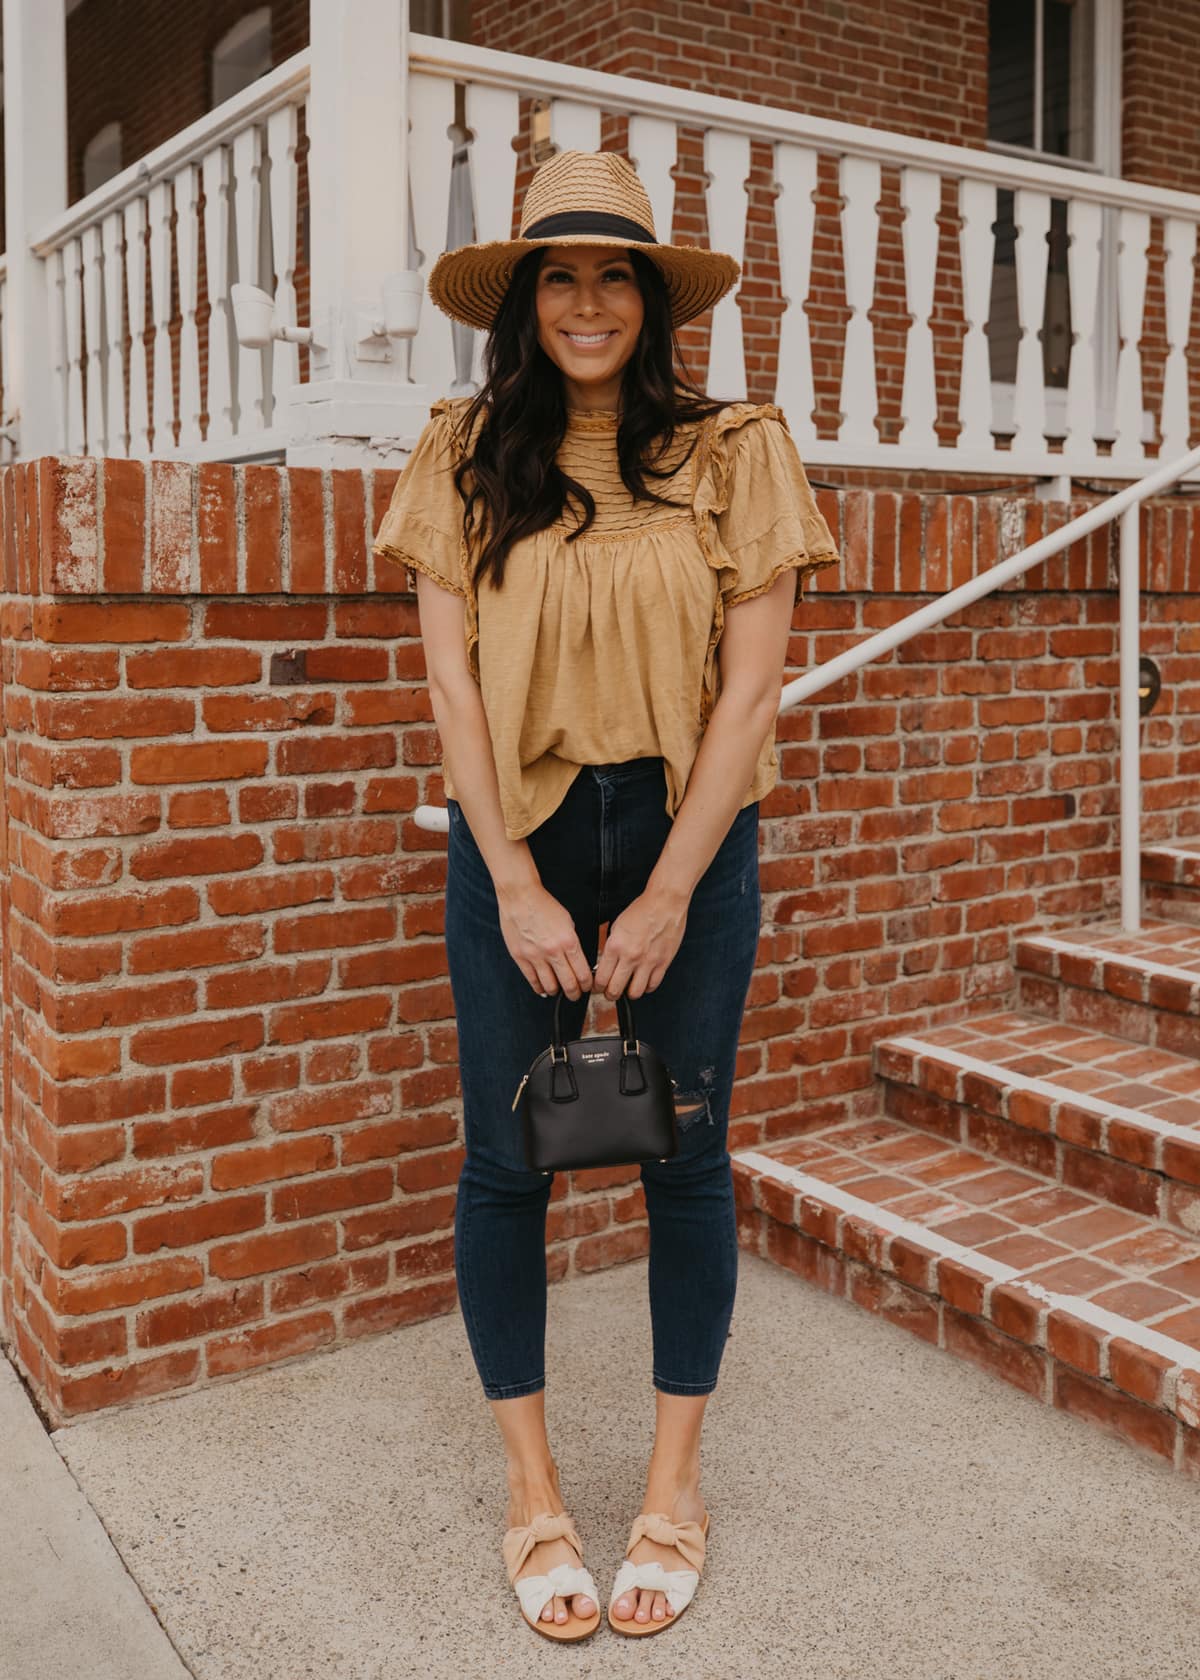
x=583 y=292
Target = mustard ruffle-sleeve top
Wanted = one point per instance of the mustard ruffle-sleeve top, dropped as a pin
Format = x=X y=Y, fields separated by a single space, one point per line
x=605 y=648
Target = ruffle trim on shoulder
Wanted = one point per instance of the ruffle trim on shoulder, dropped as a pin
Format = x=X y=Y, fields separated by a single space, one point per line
x=712 y=493
x=447 y=440
x=451 y=411
x=710 y=497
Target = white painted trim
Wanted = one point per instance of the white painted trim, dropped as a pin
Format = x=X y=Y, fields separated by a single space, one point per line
x=895 y=1225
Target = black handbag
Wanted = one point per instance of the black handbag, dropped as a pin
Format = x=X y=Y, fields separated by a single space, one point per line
x=603 y=1101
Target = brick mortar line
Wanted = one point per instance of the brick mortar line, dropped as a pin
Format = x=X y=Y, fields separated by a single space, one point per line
x=1181 y=1356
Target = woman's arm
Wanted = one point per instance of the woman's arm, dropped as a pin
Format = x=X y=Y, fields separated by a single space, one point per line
x=466 y=743
x=538 y=931
x=751 y=654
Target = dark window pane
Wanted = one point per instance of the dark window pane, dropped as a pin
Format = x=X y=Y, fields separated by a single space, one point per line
x=1067 y=78
x=1011 y=31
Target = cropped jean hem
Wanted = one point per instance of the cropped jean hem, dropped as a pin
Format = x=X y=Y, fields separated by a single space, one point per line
x=683 y=1388
x=513 y=1391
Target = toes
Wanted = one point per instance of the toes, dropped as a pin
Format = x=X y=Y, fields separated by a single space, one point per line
x=622 y=1608
x=583 y=1605
x=643 y=1610
x=560 y=1610
x=659 y=1607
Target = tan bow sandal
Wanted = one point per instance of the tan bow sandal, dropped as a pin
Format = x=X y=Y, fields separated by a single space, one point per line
x=679 y=1585
x=536 y=1591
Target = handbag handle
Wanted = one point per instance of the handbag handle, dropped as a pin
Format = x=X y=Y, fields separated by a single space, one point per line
x=632 y=1078
x=624 y=1013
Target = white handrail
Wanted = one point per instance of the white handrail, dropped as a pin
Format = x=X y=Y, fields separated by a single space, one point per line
x=1123 y=506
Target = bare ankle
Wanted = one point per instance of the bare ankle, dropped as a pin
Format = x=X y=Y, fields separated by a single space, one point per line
x=533 y=1480
x=673 y=1476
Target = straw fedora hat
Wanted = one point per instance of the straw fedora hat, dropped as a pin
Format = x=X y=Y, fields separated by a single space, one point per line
x=579 y=198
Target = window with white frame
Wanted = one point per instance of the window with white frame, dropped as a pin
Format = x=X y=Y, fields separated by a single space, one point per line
x=242 y=55
x=1053 y=69
x=102 y=157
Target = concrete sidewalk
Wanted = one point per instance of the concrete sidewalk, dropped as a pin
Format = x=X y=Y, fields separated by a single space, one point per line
x=879 y=1509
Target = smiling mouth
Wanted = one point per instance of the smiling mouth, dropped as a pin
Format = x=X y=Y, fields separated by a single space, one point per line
x=588 y=341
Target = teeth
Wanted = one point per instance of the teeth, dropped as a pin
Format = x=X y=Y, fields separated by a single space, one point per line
x=587 y=338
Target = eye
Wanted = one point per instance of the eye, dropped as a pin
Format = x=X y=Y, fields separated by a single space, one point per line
x=562 y=274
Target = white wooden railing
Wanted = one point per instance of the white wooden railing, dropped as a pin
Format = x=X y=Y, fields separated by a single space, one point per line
x=860 y=217
x=128 y=268
x=1023 y=428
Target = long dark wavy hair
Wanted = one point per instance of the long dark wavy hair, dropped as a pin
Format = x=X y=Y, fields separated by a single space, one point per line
x=510 y=482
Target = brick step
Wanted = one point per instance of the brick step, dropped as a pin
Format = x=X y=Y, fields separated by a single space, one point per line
x=1087 y=1111
x=1085 y=1306
x=1142 y=986
x=1171 y=882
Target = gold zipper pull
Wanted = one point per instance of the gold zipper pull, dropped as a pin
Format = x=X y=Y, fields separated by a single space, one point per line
x=520 y=1088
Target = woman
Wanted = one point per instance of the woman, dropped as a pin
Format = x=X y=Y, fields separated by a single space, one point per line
x=607 y=725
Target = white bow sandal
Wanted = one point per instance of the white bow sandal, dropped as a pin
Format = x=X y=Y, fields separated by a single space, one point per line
x=536 y=1591
x=679 y=1585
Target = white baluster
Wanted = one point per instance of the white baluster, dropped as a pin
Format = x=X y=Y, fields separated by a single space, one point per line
x=726 y=166
x=977 y=251
x=135 y=276
x=920 y=195
x=187 y=200
x=1085 y=225
x=1131 y=297
x=247 y=212
x=859 y=180
x=217 y=275
x=162 y=411
x=283 y=180
x=652 y=149
x=1179 y=240
x=117 y=436
x=574 y=127
x=431 y=157
x=72 y=283
x=796 y=179
x=56 y=313
x=1031 y=216
x=93 y=332
x=492 y=115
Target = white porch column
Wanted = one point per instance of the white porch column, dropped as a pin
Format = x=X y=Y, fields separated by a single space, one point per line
x=358 y=405
x=35 y=181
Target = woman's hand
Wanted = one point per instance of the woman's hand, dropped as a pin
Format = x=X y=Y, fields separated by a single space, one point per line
x=542 y=941
x=641 y=943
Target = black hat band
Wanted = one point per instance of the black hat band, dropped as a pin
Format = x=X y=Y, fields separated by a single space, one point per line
x=589 y=221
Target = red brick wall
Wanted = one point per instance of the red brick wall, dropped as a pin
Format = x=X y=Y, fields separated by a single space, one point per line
x=1161 y=93
x=231 y=1117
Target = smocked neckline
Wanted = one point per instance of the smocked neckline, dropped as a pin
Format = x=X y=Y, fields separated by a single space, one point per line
x=593 y=413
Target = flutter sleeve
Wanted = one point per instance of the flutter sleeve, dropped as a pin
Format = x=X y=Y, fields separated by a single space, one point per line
x=758 y=514
x=422 y=528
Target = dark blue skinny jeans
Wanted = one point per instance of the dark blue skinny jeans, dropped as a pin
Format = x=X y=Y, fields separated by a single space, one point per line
x=595 y=854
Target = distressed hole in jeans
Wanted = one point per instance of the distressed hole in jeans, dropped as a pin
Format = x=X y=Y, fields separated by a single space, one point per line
x=689 y=1106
